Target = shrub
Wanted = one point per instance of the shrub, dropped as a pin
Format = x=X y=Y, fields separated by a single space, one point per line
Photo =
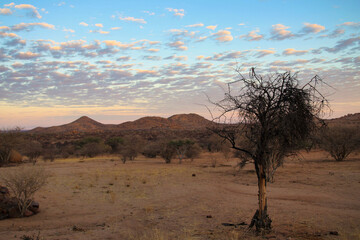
x=9 y=141
x=32 y=149
x=339 y=141
x=24 y=182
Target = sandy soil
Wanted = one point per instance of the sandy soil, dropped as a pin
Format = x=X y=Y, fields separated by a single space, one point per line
x=102 y=198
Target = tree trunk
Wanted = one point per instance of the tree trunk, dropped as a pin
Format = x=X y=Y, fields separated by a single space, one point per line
x=261 y=219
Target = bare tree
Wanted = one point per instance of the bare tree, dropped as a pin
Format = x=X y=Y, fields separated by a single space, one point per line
x=24 y=182
x=340 y=141
x=272 y=115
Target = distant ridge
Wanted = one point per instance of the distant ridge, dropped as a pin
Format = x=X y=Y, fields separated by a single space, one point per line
x=189 y=121
x=88 y=125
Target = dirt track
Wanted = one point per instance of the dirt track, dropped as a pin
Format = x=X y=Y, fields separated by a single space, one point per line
x=148 y=199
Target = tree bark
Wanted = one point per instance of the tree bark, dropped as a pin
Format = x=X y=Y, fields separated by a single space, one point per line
x=261 y=219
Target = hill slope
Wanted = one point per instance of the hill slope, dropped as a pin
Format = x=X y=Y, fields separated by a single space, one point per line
x=86 y=124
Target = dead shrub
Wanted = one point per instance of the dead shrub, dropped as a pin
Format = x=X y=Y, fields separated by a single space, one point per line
x=24 y=182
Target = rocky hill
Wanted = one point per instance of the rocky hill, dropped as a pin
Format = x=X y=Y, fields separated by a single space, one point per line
x=88 y=125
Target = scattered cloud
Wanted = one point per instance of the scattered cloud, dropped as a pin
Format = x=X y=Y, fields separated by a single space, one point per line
x=149 y=13
x=292 y=51
x=34 y=11
x=212 y=27
x=5 y=11
x=99 y=31
x=343 y=44
x=177 y=58
x=26 y=55
x=9 y=5
x=223 y=36
x=153 y=50
x=177 y=12
x=263 y=53
x=280 y=32
x=123 y=58
x=312 y=28
x=132 y=19
x=196 y=25
x=28 y=26
x=68 y=30
x=99 y=25
x=351 y=24
x=178 y=45
x=253 y=36
x=83 y=24
x=115 y=28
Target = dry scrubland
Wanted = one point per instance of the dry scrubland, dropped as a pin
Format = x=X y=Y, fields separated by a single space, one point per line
x=101 y=198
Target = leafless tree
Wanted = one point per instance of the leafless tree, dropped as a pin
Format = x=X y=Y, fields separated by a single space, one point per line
x=340 y=141
x=24 y=182
x=266 y=117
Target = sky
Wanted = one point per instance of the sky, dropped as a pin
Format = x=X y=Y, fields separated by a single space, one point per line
x=116 y=61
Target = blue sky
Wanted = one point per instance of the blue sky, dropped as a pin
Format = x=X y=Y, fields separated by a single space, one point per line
x=120 y=60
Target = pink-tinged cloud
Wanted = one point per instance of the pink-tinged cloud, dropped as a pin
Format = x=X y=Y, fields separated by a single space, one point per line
x=99 y=25
x=34 y=11
x=223 y=36
x=177 y=12
x=83 y=24
x=312 y=28
x=212 y=27
x=5 y=11
x=26 y=55
x=99 y=31
x=12 y=35
x=9 y=5
x=253 y=36
x=178 y=45
x=263 y=53
x=153 y=50
x=68 y=30
x=196 y=25
x=4 y=28
x=292 y=51
x=114 y=43
x=351 y=24
x=115 y=28
x=132 y=19
x=26 y=26
x=280 y=32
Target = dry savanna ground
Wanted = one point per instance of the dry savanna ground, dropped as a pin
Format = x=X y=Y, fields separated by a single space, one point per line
x=313 y=197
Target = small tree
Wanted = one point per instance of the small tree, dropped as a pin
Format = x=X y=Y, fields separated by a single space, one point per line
x=24 y=182
x=130 y=148
x=181 y=147
x=114 y=143
x=168 y=152
x=9 y=140
x=32 y=149
x=339 y=141
x=272 y=115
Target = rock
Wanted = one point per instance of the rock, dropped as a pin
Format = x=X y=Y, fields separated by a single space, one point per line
x=334 y=233
x=34 y=207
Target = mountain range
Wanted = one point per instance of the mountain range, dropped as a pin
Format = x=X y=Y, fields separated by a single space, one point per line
x=190 y=121
x=86 y=124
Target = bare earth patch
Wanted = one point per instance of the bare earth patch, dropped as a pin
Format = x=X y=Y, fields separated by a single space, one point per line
x=312 y=198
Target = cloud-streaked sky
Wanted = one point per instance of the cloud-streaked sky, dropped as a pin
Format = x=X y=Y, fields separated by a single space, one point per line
x=120 y=60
